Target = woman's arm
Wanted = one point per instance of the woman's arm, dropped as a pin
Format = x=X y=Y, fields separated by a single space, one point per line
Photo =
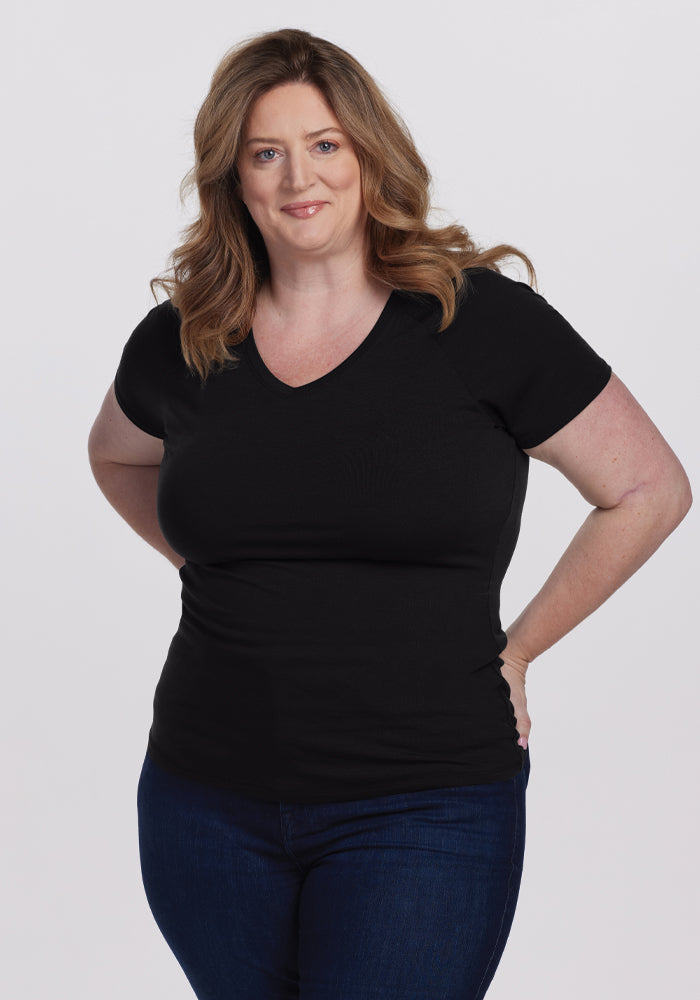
x=617 y=459
x=125 y=462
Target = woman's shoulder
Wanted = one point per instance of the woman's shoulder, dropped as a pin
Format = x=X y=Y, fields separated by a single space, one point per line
x=155 y=340
x=162 y=323
x=485 y=295
x=485 y=281
x=166 y=314
x=494 y=298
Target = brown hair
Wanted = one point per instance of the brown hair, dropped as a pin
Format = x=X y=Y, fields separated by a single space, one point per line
x=216 y=272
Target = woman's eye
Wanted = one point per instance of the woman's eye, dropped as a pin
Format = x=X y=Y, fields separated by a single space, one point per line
x=268 y=155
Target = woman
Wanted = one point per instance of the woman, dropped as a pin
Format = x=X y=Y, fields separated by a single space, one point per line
x=332 y=802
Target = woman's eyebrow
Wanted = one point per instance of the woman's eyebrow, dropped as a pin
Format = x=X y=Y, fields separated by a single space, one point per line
x=309 y=135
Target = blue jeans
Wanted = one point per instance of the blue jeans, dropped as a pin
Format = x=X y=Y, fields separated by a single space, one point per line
x=398 y=897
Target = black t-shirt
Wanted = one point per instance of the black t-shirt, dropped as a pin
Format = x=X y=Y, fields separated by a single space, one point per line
x=345 y=544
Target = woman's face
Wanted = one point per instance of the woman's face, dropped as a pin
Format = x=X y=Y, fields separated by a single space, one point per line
x=295 y=152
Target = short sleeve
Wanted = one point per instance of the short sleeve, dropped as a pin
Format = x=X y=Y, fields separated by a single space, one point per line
x=138 y=382
x=521 y=359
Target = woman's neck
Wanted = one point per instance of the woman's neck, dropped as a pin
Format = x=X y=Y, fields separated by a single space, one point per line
x=308 y=293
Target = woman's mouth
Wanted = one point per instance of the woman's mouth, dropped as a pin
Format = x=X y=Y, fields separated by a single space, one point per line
x=303 y=209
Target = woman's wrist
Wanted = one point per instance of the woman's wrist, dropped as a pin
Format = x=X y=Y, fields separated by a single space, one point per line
x=514 y=654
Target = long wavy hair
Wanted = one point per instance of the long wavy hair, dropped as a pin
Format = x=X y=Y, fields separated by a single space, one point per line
x=215 y=274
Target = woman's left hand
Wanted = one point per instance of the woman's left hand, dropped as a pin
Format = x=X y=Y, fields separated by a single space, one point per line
x=514 y=669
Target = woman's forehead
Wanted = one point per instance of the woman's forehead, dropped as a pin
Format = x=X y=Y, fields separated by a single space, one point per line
x=290 y=103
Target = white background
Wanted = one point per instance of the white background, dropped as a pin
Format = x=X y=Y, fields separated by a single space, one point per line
x=567 y=129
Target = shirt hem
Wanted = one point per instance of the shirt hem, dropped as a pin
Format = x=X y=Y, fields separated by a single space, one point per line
x=453 y=778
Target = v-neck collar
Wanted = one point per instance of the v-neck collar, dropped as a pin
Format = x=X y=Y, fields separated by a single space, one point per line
x=277 y=384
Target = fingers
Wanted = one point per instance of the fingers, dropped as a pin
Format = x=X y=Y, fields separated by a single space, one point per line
x=516 y=682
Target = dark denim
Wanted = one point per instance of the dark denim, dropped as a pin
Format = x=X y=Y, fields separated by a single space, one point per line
x=399 y=897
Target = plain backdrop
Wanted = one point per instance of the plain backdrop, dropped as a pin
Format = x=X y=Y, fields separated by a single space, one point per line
x=567 y=129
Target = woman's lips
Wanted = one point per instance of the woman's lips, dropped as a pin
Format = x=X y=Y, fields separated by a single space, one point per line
x=303 y=209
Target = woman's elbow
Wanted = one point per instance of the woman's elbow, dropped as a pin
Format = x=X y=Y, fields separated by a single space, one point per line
x=677 y=496
x=685 y=495
x=662 y=500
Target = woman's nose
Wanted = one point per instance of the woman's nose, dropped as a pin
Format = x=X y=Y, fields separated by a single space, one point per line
x=298 y=170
